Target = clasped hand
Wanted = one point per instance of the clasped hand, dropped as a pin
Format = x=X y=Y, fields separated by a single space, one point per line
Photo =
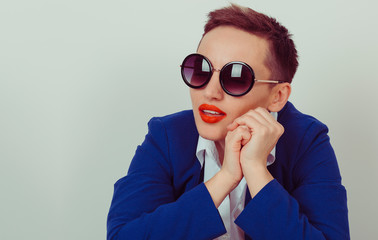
x=250 y=139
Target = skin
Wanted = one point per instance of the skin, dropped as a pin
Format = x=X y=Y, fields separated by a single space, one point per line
x=246 y=136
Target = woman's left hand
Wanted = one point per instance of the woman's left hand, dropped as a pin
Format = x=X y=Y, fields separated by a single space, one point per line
x=265 y=132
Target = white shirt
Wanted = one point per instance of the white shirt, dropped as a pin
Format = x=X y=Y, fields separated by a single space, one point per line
x=233 y=204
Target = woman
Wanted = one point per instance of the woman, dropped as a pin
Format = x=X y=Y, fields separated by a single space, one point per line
x=244 y=163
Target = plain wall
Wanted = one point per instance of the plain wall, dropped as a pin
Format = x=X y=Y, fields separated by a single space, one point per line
x=79 y=81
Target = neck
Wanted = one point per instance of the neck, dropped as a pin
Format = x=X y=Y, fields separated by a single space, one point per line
x=220 y=148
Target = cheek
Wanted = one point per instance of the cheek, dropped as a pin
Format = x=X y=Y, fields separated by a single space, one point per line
x=193 y=96
x=258 y=97
x=250 y=102
x=241 y=110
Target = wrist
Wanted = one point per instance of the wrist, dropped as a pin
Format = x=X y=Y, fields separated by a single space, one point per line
x=219 y=186
x=253 y=165
x=229 y=181
x=256 y=176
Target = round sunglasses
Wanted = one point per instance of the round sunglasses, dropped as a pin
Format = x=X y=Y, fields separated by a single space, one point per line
x=236 y=78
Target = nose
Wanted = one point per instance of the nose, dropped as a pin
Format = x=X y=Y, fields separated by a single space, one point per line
x=213 y=89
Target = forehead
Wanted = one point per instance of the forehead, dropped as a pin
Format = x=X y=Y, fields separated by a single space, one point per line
x=225 y=44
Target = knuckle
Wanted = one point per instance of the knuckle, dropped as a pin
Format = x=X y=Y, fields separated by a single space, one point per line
x=260 y=109
x=272 y=129
x=280 y=127
x=264 y=130
x=244 y=117
x=240 y=129
x=249 y=113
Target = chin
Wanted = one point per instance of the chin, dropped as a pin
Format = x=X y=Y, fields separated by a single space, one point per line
x=211 y=133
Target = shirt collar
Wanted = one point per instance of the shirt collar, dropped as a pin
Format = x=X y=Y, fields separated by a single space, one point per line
x=205 y=146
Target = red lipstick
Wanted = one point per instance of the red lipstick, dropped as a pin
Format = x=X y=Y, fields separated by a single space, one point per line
x=210 y=113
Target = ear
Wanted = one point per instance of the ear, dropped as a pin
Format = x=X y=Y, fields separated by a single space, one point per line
x=279 y=96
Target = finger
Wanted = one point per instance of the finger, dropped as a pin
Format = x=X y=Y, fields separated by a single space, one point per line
x=266 y=114
x=232 y=126
x=250 y=121
x=251 y=113
x=263 y=117
x=258 y=116
x=247 y=135
x=238 y=137
x=245 y=141
x=272 y=120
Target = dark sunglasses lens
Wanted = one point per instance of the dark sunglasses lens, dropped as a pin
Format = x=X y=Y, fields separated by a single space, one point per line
x=237 y=79
x=195 y=70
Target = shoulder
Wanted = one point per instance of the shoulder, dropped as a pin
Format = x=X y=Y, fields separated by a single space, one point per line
x=167 y=137
x=303 y=133
x=178 y=129
x=176 y=137
x=296 y=123
x=176 y=123
x=175 y=119
x=305 y=149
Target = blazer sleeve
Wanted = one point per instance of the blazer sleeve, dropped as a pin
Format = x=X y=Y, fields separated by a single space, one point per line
x=317 y=206
x=144 y=205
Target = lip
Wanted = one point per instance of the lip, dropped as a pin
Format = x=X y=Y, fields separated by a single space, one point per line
x=209 y=117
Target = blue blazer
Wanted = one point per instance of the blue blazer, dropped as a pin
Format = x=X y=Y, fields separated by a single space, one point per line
x=163 y=195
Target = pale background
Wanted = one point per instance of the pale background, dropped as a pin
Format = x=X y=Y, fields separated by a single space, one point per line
x=79 y=80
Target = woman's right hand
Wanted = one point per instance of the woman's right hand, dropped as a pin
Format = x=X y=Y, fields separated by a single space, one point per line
x=234 y=142
x=228 y=178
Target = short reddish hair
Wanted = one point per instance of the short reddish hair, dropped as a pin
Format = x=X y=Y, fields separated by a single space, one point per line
x=283 y=58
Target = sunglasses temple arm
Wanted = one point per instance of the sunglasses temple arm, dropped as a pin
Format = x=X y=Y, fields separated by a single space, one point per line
x=268 y=81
